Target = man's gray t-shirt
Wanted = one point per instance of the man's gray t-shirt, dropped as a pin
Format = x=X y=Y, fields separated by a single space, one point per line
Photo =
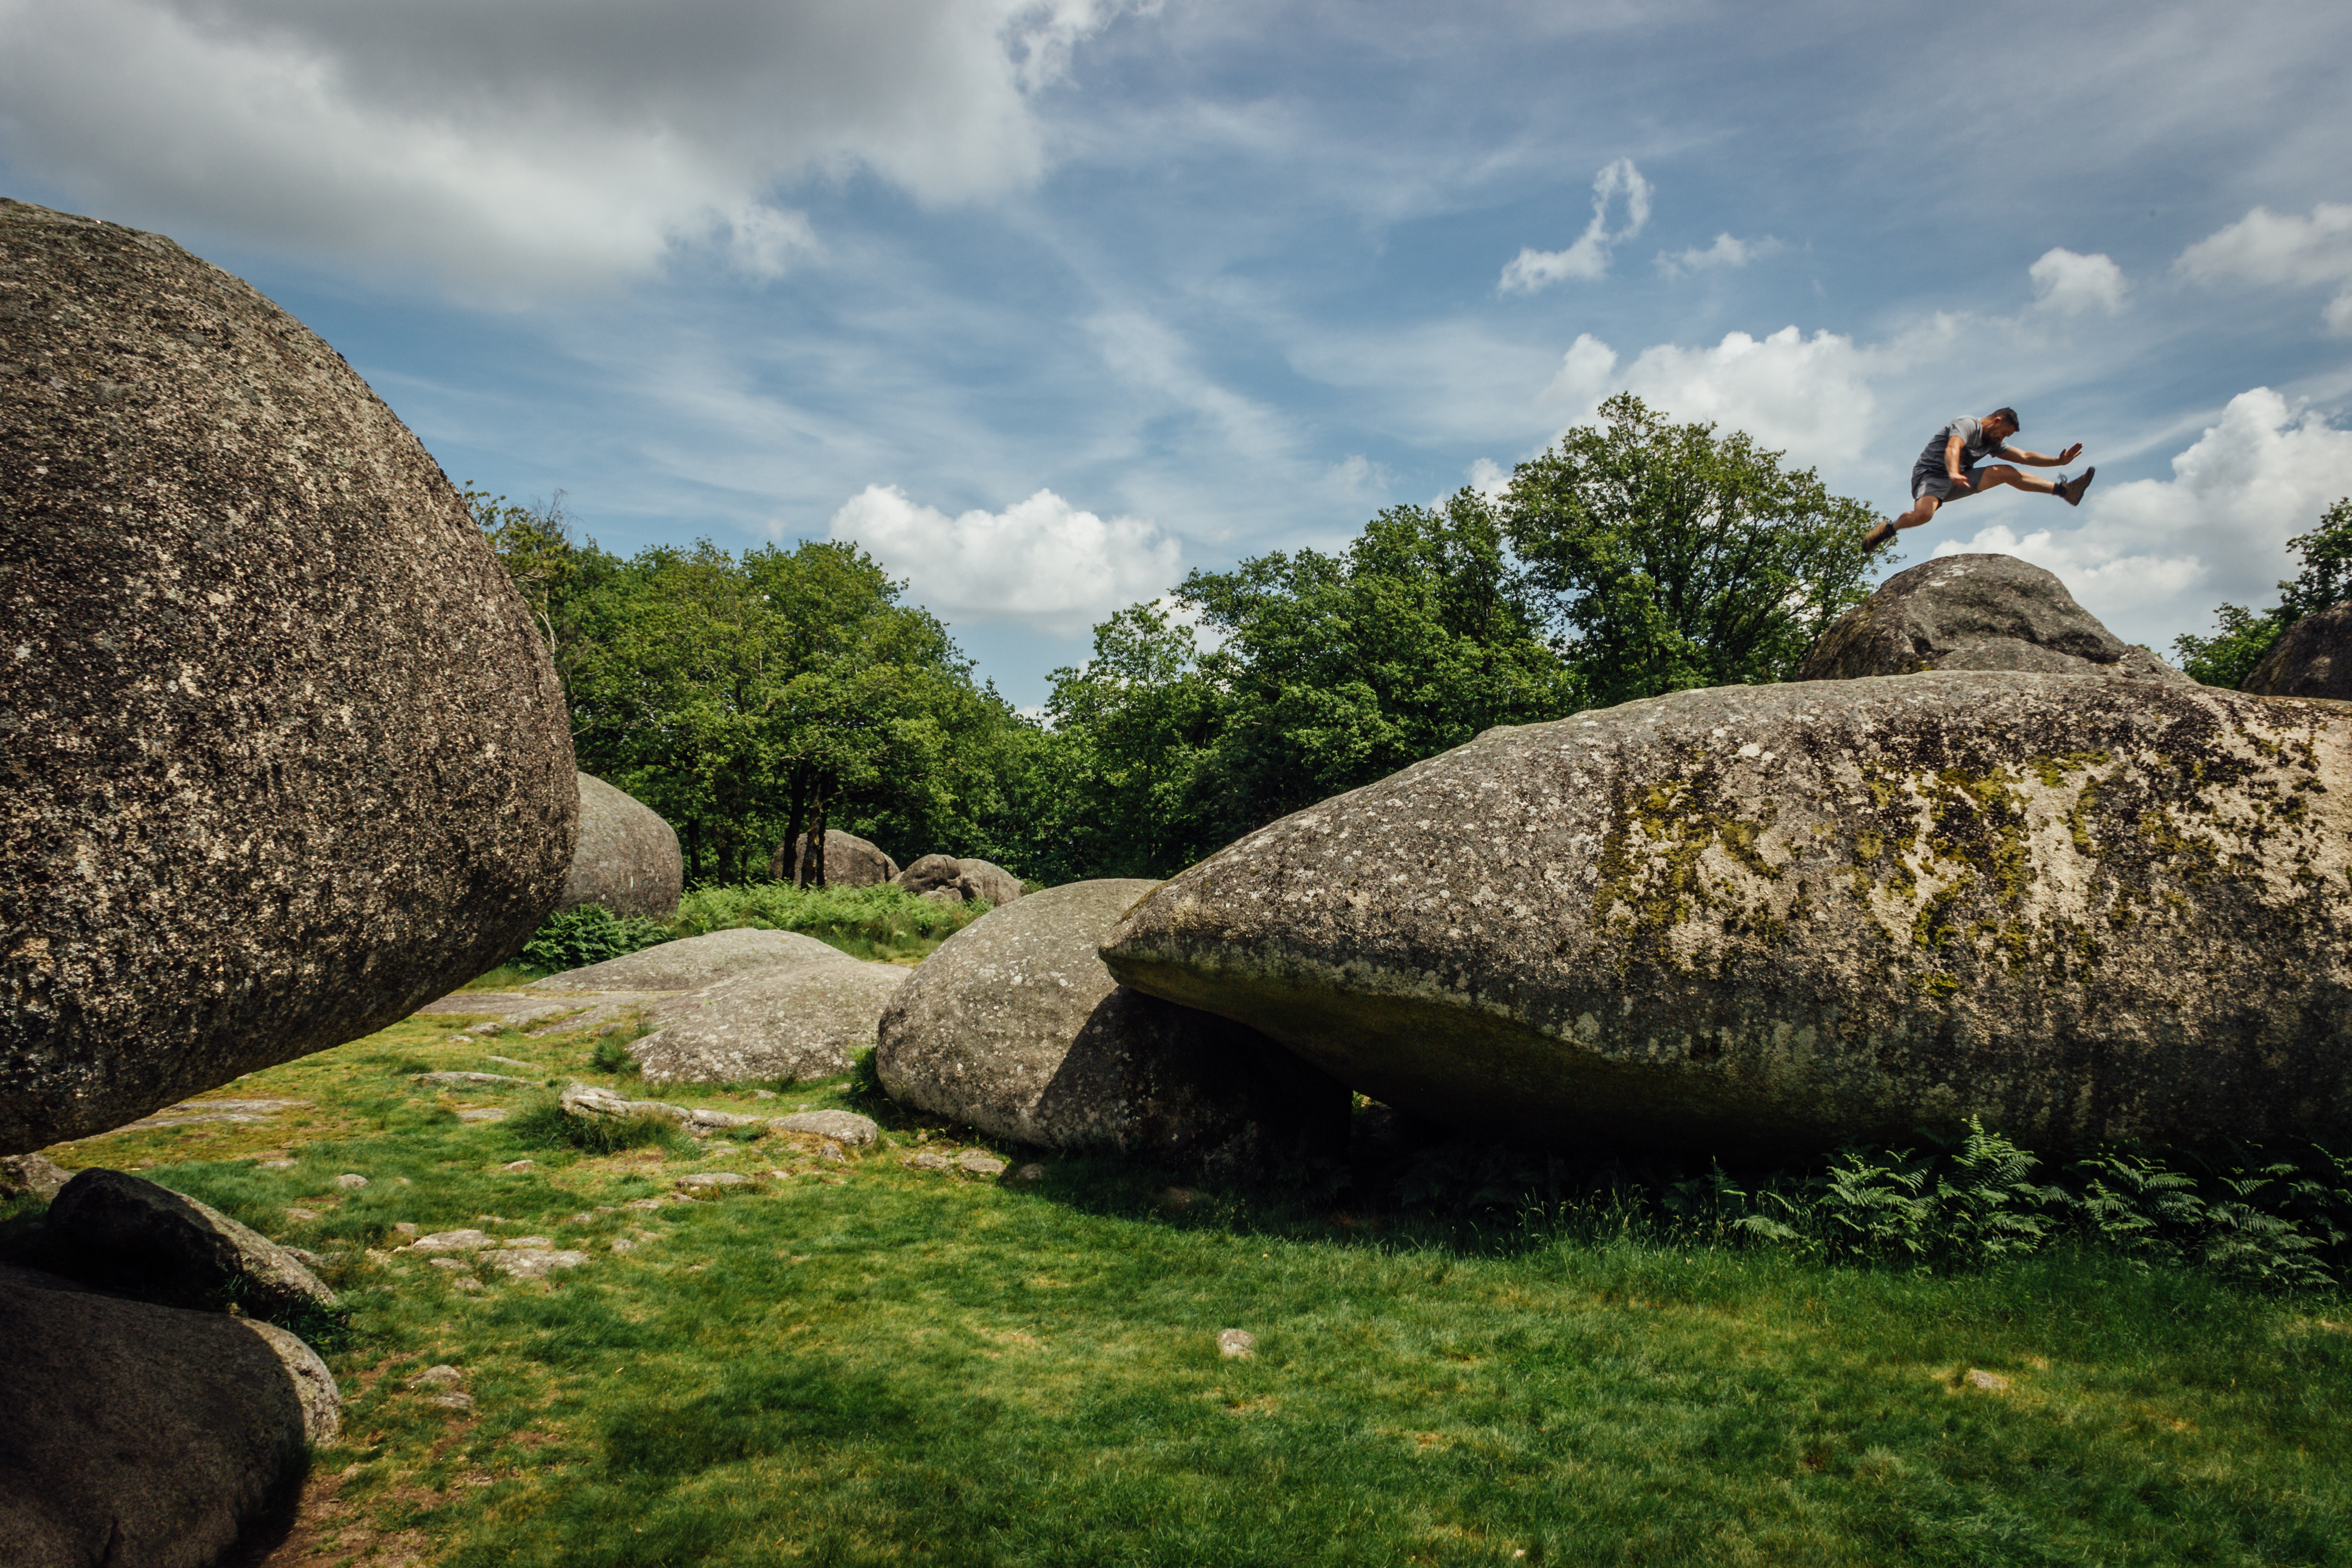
x=1974 y=448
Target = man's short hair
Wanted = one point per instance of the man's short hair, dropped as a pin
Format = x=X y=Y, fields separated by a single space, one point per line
x=2010 y=414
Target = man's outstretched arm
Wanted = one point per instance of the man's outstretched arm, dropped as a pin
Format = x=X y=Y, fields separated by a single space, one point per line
x=2042 y=459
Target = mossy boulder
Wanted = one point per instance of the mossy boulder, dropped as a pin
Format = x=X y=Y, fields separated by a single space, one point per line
x=2312 y=658
x=284 y=754
x=1976 y=612
x=625 y=858
x=1777 y=917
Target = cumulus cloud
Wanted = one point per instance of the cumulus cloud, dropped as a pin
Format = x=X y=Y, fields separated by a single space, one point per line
x=1727 y=251
x=1808 y=396
x=1358 y=475
x=2071 y=284
x=1041 y=561
x=515 y=147
x=2218 y=527
x=2271 y=248
x=1589 y=256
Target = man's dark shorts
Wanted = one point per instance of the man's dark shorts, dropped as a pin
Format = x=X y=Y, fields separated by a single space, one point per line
x=1937 y=483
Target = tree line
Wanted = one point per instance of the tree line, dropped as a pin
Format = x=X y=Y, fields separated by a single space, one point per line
x=751 y=697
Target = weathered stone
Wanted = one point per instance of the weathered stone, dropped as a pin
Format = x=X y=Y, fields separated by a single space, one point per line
x=711 y=1181
x=284 y=754
x=627 y=859
x=1782 y=916
x=165 y=1246
x=692 y=963
x=472 y=1080
x=144 y=1434
x=587 y=1100
x=350 y=1180
x=1016 y=1028
x=531 y=1262
x=31 y=1176
x=842 y=1126
x=1976 y=612
x=990 y=883
x=949 y=881
x=2312 y=658
x=1236 y=1344
x=450 y=1241
x=849 y=861
x=789 y=1021
x=980 y=1162
x=925 y=1160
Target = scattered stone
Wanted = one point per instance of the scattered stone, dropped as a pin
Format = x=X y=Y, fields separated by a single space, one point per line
x=274 y=1165
x=1236 y=1344
x=140 y=1434
x=581 y=1219
x=518 y=1165
x=627 y=857
x=511 y=1061
x=925 y=1160
x=763 y=1094
x=1031 y=1171
x=449 y=1262
x=2310 y=659
x=622 y=1244
x=302 y=1217
x=1991 y=1382
x=449 y=1241
x=467 y=1282
x=832 y=1153
x=1976 y=612
x=533 y=1263
x=369 y=790
x=694 y=961
x=194 y=1113
x=404 y=1227
x=121 y=1229
x=481 y=1113
x=1013 y=1026
x=642 y=1204
x=454 y=1399
x=441 y=1376
x=32 y=1175
x=849 y=861
x=711 y=1181
x=350 y=1180
x=1758 y=920
x=471 y=1080
x=980 y=1162
x=588 y=1101
x=798 y=1020
x=841 y=1126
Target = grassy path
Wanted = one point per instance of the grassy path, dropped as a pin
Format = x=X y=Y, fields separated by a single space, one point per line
x=871 y=1364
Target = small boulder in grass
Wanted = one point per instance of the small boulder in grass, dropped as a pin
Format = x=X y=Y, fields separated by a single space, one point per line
x=711 y=1181
x=926 y=1160
x=350 y=1180
x=980 y=1162
x=1990 y=1381
x=451 y=1241
x=118 y=1226
x=1236 y=1344
x=30 y=1176
x=841 y=1126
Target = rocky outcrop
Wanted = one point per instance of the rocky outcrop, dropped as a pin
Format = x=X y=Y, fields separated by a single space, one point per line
x=283 y=754
x=626 y=858
x=2313 y=658
x=1013 y=1026
x=129 y=1234
x=1781 y=916
x=790 y=1020
x=1976 y=612
x=139 y=1434
x=690 y=963
x=31 y=1176
x=951 y=880
x=849 y=861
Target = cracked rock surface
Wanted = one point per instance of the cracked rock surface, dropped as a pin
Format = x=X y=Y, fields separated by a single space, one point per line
x=1782 y=916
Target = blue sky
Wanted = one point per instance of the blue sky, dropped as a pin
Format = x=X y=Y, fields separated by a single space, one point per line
x=1046 y=304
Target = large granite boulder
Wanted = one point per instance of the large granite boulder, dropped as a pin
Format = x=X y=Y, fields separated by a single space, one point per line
x=948 y=879
x=789 y=1021
x=133 y=1235
x=2312 y=658
x=1976 y=612
x=145 y=1434
x=284 y=754
x=849 y=861
x=690 y=963
x=1014 y=1026
x=1776 y=916
x=626 y=858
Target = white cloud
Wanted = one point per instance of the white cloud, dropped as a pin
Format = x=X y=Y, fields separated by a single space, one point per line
x=1727 y=251
x=2218 y=527
x=1488 y=478
x=2265 y=247
x=1040 y=560
x=1589 y=256
x=1359 y=476
x=512 y=147
x=2071 y=284
x=1808 y=396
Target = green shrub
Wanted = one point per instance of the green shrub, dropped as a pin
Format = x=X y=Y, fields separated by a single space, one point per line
x=879 y=922
x=591 y=933
x=544 y=1125
x=611 y=1053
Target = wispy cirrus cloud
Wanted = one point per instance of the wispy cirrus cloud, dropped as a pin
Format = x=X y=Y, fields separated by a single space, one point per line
x=1588 y=258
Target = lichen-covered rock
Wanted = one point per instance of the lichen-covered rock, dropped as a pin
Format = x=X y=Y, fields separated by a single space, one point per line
x=1014 y=1026
x=1781 y=916
x=31 y=1176
x=789 y=1021
x=591 y=1103
x=2312 y=658
x=842 y=1126
x=1976 y=612
x=991 y=883
x=283 y=755
x=849 y=861
x=626 y=858
x=146 y=1239
x=138 y=1433
x=951 y=880
x=692 y=963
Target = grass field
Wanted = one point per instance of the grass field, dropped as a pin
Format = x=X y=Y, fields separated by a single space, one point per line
x=871 y=1364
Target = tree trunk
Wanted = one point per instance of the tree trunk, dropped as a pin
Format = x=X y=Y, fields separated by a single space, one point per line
x=795 y=818
x=814 y=860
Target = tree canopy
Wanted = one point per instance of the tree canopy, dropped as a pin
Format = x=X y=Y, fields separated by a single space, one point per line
x=2231 y=654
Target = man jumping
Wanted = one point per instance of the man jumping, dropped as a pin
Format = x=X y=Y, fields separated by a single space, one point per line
x=1947 y=470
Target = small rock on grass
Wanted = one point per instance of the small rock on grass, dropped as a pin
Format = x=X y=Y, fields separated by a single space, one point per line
x=517 y=1165
x=831 y=1153
x=533 y=1263
x=980 y=1162
x=30 y=1175
x=711 y=1181
x=928 y=1161
x=449 y=1241
x=273 y=1165
x=1237 y=1344
x=841 y=1126
x=1031 y=1171
x=350 y=1180
x=481 y=1113
x=1991 y=1381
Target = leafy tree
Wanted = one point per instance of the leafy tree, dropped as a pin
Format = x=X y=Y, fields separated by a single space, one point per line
x=2229 y=657
x=1675 y=558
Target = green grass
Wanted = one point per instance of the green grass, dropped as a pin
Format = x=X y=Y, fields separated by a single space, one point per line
x=905 y=1367
x=876 y=922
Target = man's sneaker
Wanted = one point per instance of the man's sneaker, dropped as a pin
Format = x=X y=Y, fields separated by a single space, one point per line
x=1876 y=537
x=2073 y=489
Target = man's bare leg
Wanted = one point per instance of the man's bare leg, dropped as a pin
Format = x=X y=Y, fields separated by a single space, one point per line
x=1921 y=510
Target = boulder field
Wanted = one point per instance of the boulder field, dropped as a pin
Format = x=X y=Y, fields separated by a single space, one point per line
x=285 y=757
x=626 y=858
x=1777 y=917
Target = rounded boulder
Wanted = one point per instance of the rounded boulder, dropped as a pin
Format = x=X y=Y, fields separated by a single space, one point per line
x=1780 y=917
x=2312 y=658
x=1976 y=612
x=285 y=756
x=849 y=861
x=1013 y=1026
x=626 y=858
x=793 y=1021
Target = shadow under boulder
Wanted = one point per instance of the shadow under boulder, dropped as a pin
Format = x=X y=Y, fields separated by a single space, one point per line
x=1014 y=1027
